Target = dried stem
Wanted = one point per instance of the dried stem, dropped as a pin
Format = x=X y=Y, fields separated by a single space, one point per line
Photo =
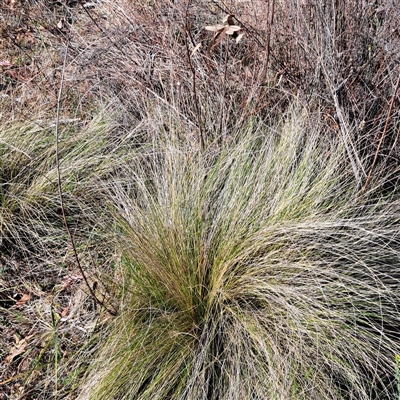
x=60 y=192
x=194 y=88
x=382 y=136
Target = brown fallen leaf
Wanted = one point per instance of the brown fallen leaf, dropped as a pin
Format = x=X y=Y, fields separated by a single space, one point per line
x=232 y=29
x=69 y=280
x=19 y=348
x=25 y=297
x=215 y=28
x=228 y=20
x=65 y=311
x=239 y=37
x=195 y=49
x=228 y=27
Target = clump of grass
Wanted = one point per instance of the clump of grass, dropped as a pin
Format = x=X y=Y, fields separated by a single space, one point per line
x=30 y=216
x=257 y=271
x=36 y=253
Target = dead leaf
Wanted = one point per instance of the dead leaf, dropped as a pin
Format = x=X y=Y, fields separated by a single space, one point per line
x=216 y=40
x=25 y=297
x=215 y=28
x=19 y=348
x=227 y=28
x=232 y=29
x=70 y=279
x=239 y=37
x=59 y=24
x=65 y=311
x=195 y=49
x=228 y=20
x=248 y=72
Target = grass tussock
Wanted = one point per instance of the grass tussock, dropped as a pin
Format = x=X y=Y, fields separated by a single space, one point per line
x=257 y=272
x=30 y=214
x=252 y=256
x=36 y=258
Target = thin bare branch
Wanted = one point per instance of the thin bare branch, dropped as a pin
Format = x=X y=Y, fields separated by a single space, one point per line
x=60 y=192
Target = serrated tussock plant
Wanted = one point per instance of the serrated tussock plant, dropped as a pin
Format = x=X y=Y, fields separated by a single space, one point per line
x=257 y=271
x=30 y=217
